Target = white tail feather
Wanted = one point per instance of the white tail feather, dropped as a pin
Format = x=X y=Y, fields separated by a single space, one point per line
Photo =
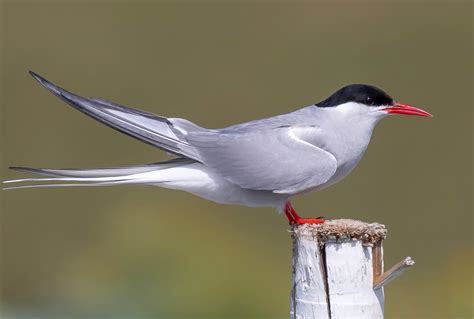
x=69 y=185
x=97 y=177
x=70 y=179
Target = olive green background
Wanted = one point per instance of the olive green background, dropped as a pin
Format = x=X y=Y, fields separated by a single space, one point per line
x=144 y=252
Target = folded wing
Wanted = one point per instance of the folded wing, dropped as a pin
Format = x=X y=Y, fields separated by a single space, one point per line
x=277 y=159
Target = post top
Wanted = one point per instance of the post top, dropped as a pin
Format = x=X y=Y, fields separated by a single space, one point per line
x=336 y=229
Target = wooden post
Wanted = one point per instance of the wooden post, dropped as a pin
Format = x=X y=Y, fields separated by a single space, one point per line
x=338 y=270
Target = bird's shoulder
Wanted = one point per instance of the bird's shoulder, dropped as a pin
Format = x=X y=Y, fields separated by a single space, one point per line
x=306 y=116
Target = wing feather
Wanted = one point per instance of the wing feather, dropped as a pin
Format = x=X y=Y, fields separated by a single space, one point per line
x=152 y=129
x=277 y=160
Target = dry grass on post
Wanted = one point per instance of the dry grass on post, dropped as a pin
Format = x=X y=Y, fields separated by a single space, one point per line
x=338 y=270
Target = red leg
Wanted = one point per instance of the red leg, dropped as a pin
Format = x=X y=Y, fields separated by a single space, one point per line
x=294 y=218
x=290 y=213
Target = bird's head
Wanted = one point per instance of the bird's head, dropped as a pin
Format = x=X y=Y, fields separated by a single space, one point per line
x=367 y=101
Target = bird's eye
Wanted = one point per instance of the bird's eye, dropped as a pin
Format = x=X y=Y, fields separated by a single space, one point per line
x=369 y=101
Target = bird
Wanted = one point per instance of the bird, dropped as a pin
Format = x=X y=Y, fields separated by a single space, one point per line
x=261 y=163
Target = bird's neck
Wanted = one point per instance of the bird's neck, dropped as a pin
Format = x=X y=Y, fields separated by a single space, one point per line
x=349 y=139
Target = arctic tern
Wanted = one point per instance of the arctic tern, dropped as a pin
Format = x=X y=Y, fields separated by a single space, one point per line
x=259 y=163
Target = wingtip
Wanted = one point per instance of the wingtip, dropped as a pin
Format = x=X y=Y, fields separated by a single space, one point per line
x=37 y=77
x=48 y=85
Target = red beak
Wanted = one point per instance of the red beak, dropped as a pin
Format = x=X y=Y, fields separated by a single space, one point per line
x=406 y=109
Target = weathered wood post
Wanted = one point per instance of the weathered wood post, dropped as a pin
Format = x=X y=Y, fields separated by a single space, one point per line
x=338 y=270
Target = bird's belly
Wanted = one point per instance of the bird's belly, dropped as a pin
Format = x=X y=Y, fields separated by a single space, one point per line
x=201 y=181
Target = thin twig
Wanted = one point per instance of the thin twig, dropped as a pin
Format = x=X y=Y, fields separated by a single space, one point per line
x=393 y=272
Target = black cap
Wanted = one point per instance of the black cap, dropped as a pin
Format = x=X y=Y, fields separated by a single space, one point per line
x=359 y=93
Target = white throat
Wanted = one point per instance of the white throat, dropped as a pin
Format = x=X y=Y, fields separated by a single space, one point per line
x=347 y=131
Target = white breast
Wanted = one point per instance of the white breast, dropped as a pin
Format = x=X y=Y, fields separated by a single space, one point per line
x=346 y=132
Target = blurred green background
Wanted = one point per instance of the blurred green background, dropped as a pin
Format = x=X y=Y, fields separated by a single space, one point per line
x=144 y=252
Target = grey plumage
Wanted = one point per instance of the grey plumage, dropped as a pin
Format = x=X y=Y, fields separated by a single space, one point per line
x=252 y=155
x=259 y=159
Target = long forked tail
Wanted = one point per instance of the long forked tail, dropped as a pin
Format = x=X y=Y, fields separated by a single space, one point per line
x=144 y=174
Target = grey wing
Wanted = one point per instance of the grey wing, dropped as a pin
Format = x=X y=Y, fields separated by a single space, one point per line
x=282 y=160
x=161 y=132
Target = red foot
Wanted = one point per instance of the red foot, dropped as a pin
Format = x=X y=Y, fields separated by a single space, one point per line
x=294 y=218
x=318 y=220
